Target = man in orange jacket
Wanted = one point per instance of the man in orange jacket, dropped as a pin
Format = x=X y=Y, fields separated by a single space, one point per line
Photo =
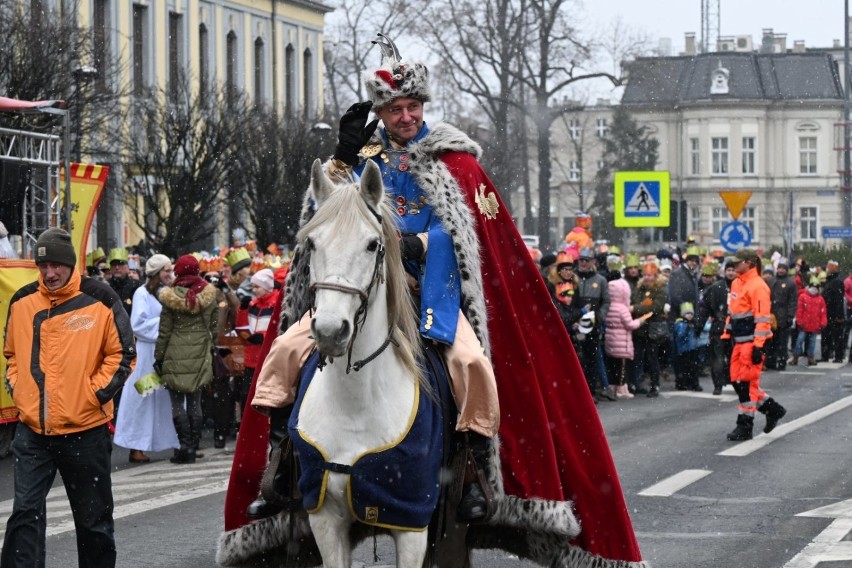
x=749 y=326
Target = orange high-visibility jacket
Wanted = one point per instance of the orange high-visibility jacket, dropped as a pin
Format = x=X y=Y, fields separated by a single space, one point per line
x=749 y=304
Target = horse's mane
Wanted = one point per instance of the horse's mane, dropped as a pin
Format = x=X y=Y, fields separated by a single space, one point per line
x=345 y=207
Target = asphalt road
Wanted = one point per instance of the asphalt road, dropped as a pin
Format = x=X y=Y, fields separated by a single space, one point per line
x=696 y=500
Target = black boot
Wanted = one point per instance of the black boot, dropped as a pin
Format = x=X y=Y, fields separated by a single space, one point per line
x=774 y=412
x=473 y=506
x=183 y=455
x=743 y=431
x=267 y=505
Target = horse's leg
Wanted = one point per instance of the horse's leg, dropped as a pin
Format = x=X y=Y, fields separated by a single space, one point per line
x=331 y=531
x=410 y=548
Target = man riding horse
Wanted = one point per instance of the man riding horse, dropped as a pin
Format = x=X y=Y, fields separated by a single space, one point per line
x=482 y=298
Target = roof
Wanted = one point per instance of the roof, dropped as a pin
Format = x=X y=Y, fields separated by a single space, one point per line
x=753 y=76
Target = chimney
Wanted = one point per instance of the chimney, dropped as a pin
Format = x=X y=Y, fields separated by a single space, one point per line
x=799 y=46
x=689 y=48
x=767 y=44
x=836 y=44
x=780 y=41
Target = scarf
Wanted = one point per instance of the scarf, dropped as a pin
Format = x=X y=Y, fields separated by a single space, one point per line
x=193 y=284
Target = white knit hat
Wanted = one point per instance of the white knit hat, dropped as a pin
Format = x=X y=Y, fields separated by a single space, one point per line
x=156 y=263
x=264 y=278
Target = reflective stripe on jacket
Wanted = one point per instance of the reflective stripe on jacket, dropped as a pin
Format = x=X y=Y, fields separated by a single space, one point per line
x=749 y=308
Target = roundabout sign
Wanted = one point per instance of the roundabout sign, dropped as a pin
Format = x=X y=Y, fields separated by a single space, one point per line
x=734 y=236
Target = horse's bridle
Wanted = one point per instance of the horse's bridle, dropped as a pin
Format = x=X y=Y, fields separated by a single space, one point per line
x=361 y=313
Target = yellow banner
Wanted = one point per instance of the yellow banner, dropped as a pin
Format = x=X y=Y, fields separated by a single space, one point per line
x=87 y=184
x=14 y=274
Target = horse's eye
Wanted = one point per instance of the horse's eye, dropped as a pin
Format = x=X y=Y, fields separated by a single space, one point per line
x=373 y=246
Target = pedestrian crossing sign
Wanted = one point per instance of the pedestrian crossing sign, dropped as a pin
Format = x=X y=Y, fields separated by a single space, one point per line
x=642 y=199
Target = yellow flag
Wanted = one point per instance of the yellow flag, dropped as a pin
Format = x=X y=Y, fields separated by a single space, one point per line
x=14 y=274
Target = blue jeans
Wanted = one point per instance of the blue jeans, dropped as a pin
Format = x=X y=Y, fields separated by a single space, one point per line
x=800 y=342
x=83 y=461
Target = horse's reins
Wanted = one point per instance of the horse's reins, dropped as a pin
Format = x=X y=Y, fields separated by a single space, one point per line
x=361 y=313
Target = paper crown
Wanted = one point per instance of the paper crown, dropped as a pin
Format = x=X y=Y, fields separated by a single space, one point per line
x=118 y=255
x=565 y=258
x=94 y=257
x=395 y=78
x=710 y=269
x=631 y=259
x=238 y=259
x=212 y=264
x=692 y=251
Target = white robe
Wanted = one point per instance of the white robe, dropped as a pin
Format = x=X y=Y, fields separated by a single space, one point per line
x=145 y=423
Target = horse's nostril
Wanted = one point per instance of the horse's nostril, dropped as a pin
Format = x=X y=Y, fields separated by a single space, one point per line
x=343 y=332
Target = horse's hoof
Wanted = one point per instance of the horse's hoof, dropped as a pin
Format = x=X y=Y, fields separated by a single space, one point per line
x=260 y=508
x=473 y=506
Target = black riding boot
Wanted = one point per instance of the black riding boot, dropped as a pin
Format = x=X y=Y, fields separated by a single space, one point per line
x=774 y=412
x=266 y=504
x=743 y=431
x=473 y=506
x=186 y=453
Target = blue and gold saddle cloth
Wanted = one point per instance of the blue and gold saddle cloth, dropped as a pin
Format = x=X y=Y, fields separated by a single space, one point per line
x=394 y=486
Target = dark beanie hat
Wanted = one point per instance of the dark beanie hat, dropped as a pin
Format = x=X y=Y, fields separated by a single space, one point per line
x=54 y=245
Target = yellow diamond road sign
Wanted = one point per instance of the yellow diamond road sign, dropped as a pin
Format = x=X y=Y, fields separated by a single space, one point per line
x=642 y=199
x=735 y=201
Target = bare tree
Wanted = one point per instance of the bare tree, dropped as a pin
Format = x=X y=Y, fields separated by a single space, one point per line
x=180 y=152
x=348 y=45
x=275 y=163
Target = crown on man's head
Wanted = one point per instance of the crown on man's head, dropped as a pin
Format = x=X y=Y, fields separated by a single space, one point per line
x=395 y=78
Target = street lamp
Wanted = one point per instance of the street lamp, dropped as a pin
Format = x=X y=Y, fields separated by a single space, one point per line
x=81 y=74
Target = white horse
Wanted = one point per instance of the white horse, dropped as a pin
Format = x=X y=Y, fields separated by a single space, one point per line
x=365 y=395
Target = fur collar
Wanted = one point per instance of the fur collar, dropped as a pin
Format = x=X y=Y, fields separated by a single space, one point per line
x=174 y=299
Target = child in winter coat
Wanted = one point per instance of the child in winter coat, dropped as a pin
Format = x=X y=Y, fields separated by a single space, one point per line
x=811 y=317
x=686 y=349
x=618 y=341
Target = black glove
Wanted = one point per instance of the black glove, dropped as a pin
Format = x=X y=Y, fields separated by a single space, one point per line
x=244 y=302
x=411 y=247
x=255 y=338
x=158 y=367
x=354 y=132
x=756 y=355
x=222 y=285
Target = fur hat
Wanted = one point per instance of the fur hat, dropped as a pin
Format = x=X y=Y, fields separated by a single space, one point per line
x=832 y=266
x=187 y=265
x=264 y=279
x=54 y=245
x=395 y=78
x=155 y=264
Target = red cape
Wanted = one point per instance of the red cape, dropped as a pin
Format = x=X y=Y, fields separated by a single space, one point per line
x=552 y=443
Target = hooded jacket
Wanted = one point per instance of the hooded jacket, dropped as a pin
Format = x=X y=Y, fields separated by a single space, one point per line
x=184 y=346
x=68 y=351
x=618 y=340
x=811 y=313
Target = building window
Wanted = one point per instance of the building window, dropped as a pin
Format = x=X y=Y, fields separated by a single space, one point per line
x=807 y=223
x=695 y=156
x=720 y=156
x=574 y=171
x=175 y=44
x=694 y=219
x=807 y=155
x=749 y=155
x=289 y=79
x=601 y=127
x=100 y=18
x=258 y=71
x=308 y=71
x=203 y=64
x=231 y=66
x=574 y=129
x=139 y=13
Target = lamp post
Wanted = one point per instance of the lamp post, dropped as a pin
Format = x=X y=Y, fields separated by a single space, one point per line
x=81 y=74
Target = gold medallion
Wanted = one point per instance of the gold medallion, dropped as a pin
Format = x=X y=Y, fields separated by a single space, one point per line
x=371 y=150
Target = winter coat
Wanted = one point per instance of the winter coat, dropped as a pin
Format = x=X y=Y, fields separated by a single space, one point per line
x=618 y=341
x=785 y=297
x=833 y=295
x=125 y=288
x=68 y=352
x=257 y=317
x=683 y=287
x=684 y=336
x=185 y=344
x=650 y=299
x=592 y=290
x=811 y=315
x=714 y=307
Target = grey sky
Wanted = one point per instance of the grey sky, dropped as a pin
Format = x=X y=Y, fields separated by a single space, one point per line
x=817 y=22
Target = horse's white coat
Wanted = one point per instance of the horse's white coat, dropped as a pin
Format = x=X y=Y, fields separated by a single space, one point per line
x=349 y=414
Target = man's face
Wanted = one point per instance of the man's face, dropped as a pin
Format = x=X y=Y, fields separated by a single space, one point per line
x=54 y=276
x=106 y=273
x=692 y=262
x=402 y=118
x=586 y=264
x=708 y=278
x=120 y=269
x=730 y=273
x=781 y=271
x=743 y=267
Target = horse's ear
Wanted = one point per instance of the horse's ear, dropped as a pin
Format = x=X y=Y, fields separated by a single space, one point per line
x=372 y=188
x=321 y=186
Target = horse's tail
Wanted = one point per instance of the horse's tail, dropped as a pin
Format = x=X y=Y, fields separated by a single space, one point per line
x=271 y=538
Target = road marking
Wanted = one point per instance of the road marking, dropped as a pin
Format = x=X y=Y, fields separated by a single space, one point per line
x=673 y=484
x=827 y=546
x=707 y=395
x=815 y=373
x=745 y=448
